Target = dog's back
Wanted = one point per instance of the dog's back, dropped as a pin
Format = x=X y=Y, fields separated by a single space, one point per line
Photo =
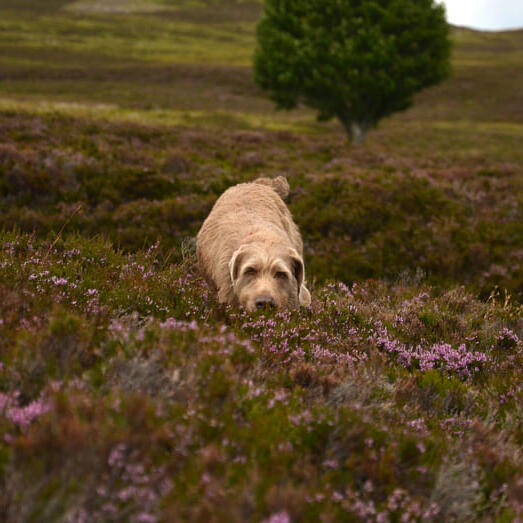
x=244 y=209
x=279 y=184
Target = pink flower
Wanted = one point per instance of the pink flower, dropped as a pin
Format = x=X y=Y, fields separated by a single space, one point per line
x=23 y=416
x=279 y=517
x=337 y=497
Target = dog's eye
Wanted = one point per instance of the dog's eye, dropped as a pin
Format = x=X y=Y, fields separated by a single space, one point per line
x=250 y=271
x=281 y=275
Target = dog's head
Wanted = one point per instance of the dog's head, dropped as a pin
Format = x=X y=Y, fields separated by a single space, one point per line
x=268 y=277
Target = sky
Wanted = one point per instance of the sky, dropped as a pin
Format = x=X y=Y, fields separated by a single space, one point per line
x=485 y=14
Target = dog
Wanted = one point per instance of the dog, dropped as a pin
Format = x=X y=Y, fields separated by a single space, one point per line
x=250 y=250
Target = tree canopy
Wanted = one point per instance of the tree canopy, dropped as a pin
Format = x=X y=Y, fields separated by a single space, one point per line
x=356 y=60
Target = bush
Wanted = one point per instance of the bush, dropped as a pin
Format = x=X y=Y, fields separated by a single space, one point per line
x=356 y=61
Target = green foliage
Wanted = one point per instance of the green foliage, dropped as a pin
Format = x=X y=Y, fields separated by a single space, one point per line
x=356 y=61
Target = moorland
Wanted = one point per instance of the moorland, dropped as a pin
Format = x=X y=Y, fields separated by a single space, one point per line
x=127 y=393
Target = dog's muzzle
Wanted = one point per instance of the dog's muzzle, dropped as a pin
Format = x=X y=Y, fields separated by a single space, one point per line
x=264 y=301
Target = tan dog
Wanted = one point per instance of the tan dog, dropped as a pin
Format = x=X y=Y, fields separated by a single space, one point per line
x=250 y=249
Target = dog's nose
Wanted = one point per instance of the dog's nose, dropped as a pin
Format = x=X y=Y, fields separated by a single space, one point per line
x=264 y=301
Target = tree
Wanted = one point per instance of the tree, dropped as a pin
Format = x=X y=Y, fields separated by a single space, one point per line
x=356 y=60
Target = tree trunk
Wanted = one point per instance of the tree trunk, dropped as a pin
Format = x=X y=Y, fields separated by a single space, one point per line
x=356 y=131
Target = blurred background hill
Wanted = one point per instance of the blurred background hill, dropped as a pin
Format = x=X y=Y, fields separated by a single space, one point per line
x=179 y=57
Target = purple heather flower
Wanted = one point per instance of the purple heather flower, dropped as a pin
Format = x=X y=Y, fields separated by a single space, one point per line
x=22 y=416
x=417 y=424
x=145 y=517
x=59 y=281
x=507 y=334
x=337 y=497
x=279 y=517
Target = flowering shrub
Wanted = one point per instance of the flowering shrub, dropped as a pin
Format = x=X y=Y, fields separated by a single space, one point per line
x=370 y=219
x=122 y=376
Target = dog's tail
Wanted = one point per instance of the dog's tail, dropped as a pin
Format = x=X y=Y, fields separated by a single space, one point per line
x=279 y=184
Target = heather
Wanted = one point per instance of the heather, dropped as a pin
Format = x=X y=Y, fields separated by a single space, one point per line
x=127 y=393
x=363 y=213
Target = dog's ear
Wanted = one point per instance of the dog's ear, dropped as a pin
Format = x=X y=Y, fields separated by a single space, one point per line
x=304 y=296
x=298 y=269
x=235 y=261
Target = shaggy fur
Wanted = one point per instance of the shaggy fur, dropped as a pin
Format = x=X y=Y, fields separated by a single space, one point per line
x=250 y=249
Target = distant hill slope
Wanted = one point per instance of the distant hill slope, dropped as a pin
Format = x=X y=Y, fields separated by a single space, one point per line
x=188 y=55
x=488 y=73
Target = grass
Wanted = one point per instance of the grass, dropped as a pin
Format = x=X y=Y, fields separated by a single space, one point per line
x=127 y=393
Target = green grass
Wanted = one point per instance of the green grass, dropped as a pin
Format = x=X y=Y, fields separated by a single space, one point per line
x=127 y=393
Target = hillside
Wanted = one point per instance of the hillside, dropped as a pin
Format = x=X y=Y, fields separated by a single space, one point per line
x=128 y=394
